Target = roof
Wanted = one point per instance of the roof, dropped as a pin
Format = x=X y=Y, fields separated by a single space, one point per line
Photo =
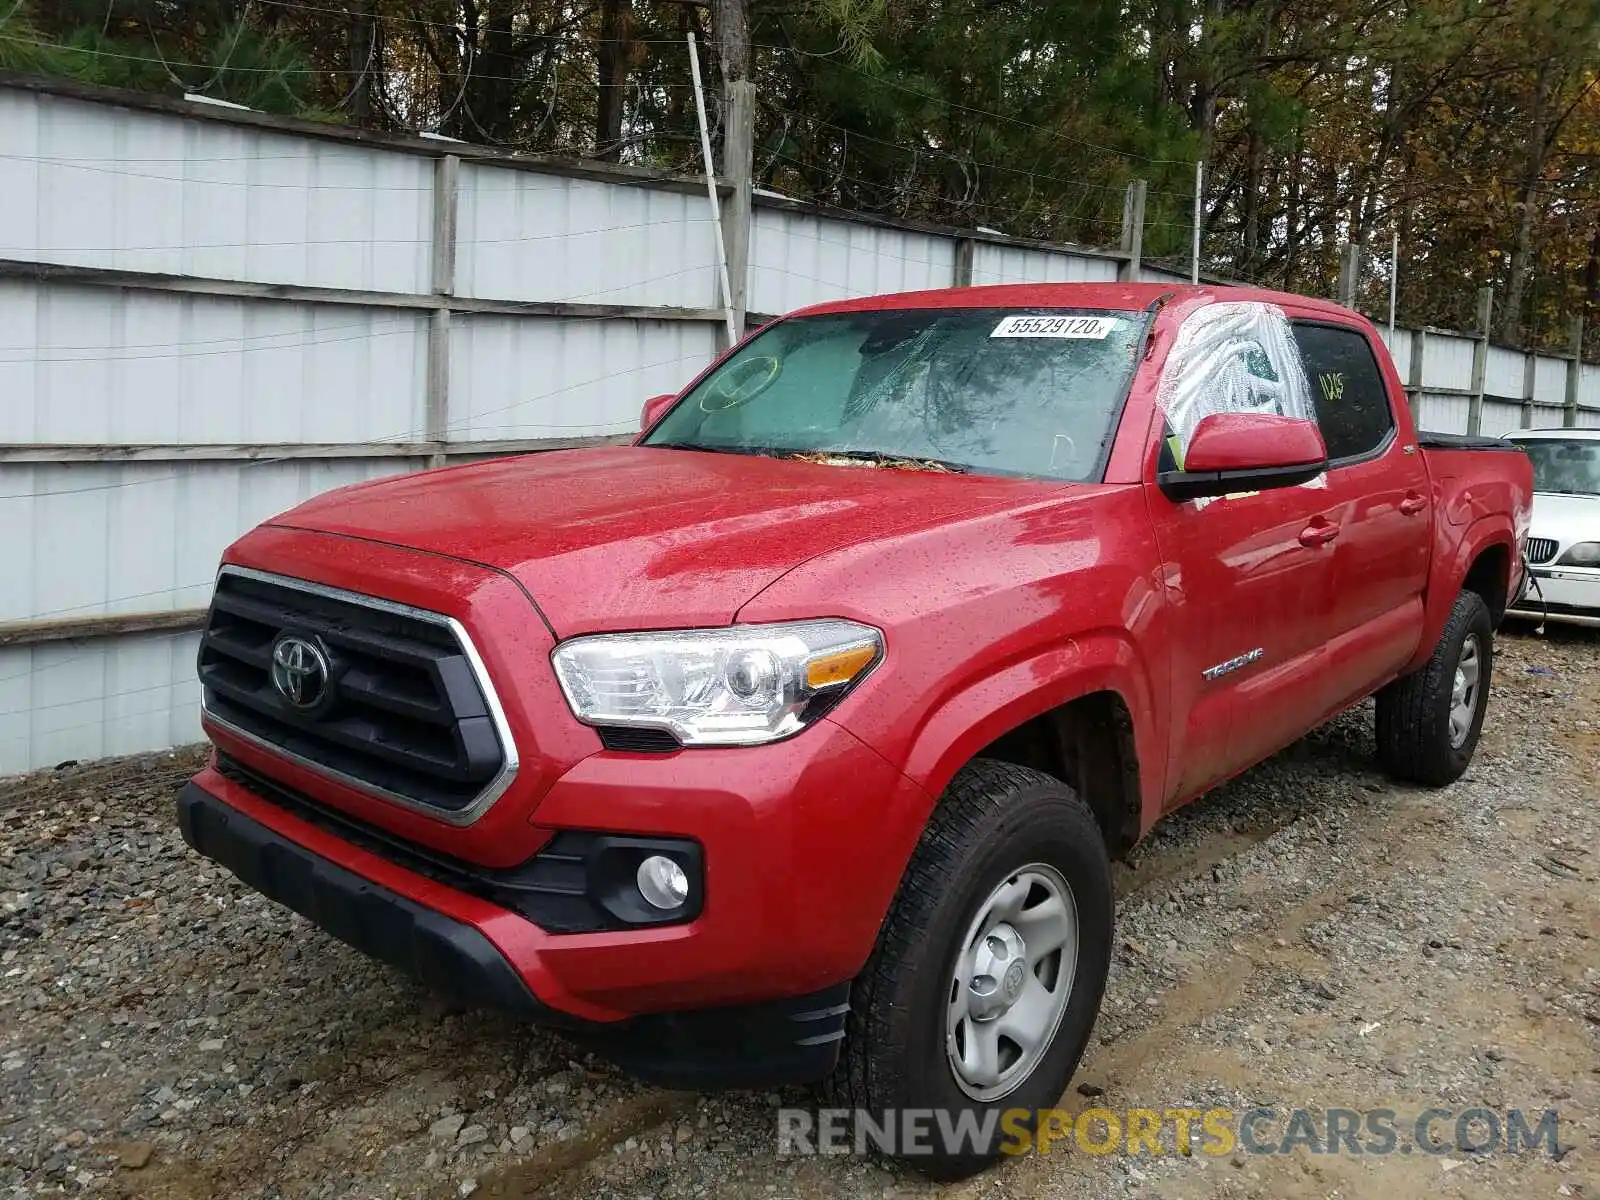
x=1126 y=296
x=1586 y=435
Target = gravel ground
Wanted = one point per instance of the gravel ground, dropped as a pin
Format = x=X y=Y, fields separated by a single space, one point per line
x=1308 y=935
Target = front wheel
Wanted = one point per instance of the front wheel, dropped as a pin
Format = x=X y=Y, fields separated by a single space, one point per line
x=987 y=977
x=1429 y=721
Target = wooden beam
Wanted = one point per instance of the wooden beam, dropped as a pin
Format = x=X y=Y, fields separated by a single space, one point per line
x=33 y=633
x=67 y=273
x=276 y=451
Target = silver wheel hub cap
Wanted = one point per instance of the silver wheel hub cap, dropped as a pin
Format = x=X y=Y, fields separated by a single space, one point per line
x=1464 y=692
x=1011 y=983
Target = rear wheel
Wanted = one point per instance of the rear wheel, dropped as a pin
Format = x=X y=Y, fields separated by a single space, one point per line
x=981 y=993
x=1429 y=722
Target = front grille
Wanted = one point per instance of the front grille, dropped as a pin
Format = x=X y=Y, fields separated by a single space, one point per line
x=402 y=713
x=1541 y=550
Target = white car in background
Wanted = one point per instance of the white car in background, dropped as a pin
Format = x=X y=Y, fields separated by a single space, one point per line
x=1563 y=546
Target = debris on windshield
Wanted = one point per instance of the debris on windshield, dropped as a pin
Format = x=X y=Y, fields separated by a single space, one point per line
x=826 y=459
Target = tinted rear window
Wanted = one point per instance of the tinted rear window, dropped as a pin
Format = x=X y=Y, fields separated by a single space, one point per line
x=1347 y=387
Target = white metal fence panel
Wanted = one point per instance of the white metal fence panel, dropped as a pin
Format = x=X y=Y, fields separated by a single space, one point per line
x=803 y=258
x=60 y=701
x=1441 y=414
x=1503 y=372
x=1589 y=386
x=1399 y=343
x=1149 y=274
x=527 y=236
x=1500 y=418
x=1447 y=361
x=565 y=378
x=1547 y=416
x=1589 y=418
x=95 y=185
x=101 y=538
x=1549 y=380
x=1025 y=264
x=95 y=365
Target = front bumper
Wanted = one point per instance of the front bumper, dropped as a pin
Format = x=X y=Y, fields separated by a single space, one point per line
x=1566 y=595
x=754 y=1045
x=449 y=956
x=803 y=841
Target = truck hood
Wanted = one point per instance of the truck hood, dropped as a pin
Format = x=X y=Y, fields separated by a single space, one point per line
x=638 y=538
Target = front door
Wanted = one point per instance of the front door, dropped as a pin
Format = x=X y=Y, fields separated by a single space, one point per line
x=1248 y=577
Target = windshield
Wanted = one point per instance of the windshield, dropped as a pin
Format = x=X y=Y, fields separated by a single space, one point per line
x=995 y=391
x=1568 y=466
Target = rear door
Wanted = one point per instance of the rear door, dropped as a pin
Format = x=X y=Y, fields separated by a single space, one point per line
x=1380 y=506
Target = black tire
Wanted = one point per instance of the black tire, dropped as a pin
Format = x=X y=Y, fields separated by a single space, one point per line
x=1413 y=726
x=993 y=819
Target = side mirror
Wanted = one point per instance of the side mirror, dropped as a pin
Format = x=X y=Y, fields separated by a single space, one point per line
x=1246 y=452
x=654 y=408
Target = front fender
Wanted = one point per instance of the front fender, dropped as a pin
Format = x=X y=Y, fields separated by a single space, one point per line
x=975 y=715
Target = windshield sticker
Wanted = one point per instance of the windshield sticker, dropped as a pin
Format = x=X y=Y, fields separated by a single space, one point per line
x=1092 y=328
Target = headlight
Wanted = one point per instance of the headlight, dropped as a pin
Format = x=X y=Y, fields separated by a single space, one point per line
x=1584 y=554
x=717 y=687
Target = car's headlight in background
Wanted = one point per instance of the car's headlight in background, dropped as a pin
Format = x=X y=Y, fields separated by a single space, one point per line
x=1584 y=554
x=740 y=686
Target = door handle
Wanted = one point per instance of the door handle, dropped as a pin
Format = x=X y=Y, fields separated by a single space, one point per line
x=1318 y=533
x=1412 y=504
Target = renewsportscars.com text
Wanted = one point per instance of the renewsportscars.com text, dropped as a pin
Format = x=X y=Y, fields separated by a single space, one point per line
x=1185 y=1131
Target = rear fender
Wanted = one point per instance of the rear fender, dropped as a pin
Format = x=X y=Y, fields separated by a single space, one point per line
x=1449 y=571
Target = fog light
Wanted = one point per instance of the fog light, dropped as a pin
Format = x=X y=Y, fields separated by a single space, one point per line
x=662 y=882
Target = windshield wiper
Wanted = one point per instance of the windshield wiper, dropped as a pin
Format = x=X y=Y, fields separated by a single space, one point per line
x=767 y=451
x=904 y=462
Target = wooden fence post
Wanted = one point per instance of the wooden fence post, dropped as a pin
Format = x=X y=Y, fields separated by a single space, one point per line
x=1349 y=274
x=436 y=403
x=1480 y=359
x=1530 y=379
x=1569 y=408
x=738 y=163
x=1419 y=345
x=1132 y=231
x=966 y=251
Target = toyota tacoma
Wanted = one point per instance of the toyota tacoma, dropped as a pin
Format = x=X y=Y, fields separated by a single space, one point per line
x=793 y=741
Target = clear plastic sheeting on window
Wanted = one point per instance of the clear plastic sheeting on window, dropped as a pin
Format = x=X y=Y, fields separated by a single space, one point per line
x=1233 y=358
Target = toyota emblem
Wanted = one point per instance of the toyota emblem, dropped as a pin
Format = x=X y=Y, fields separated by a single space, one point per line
x=300 y=671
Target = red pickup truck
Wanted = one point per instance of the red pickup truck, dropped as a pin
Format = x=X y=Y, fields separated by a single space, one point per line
x=792 y=742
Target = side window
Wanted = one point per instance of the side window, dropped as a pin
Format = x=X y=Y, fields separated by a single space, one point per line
x=1347 y=389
